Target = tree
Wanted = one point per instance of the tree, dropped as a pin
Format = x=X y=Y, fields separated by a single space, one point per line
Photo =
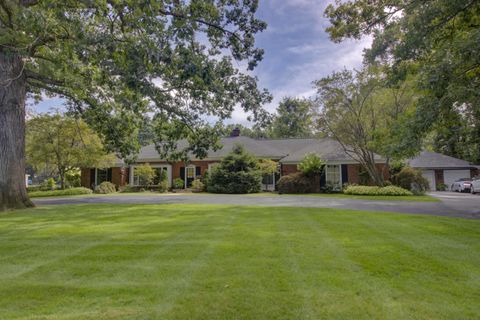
x=115 y=61
x=436 y=40
x=365 y=116
x=63 y=144
x=293 y=119
x=311 y=165
x=256 y=132
x=267 y=167
x=238 y=172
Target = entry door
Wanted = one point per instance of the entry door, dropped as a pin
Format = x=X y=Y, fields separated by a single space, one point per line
x=189 y=175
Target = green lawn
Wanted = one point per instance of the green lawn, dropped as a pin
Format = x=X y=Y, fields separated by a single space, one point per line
x=235 y=262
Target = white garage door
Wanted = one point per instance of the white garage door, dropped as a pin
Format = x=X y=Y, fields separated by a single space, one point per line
x=430 y=176
x=450 y=176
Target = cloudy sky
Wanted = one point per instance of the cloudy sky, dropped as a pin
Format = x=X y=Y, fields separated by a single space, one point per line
x=297 y=51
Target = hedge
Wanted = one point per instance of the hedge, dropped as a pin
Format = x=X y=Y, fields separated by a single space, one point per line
x=54 y=193
x=105 y=188
x=377 y=191
x=295 y=183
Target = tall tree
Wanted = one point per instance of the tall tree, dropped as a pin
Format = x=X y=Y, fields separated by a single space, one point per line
x=365 y=116
x=63 y=144
x=437 y=39
x=115 y=61
x=293 y=119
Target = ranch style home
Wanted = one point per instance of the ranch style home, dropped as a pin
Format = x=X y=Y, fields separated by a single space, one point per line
x=288 y=153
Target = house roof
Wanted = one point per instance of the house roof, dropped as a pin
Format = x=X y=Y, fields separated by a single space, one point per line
x=428 y=159
x=284 y=150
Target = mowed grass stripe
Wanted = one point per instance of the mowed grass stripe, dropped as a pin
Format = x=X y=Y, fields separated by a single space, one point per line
x=235 y=262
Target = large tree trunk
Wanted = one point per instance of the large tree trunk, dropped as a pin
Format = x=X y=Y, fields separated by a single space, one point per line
x=13 y=193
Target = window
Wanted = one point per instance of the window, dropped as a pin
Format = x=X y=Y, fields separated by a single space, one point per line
x=333 y=175
x=267 y=179
x=190 y=172
x=102 y=175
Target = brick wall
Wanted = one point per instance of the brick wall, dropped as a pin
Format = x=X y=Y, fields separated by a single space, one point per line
x=289 y=168
x=120 y=176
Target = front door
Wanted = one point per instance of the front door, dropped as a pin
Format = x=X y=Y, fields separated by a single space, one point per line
x=189 y=175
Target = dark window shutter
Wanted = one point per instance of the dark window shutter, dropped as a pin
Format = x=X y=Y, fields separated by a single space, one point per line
x=109 y=175
x=323 y=178
x=182 y=173
x=344 y=174
x=92 y=178
x=198 y=171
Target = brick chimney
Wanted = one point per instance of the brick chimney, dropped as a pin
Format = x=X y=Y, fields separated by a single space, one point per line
x=235 y=132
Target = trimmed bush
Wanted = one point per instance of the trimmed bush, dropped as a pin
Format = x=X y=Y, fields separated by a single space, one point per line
x=178 y=183
x=197 y=185
x=296 y=182
x=54 y=193
x=238 y=172
x=163 y=186
x=441 y=187
x=377 y=191
x=411 y=179
x=311 y=164
x=105 y=188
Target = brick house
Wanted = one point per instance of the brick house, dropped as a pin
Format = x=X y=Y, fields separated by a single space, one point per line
x=288 y=153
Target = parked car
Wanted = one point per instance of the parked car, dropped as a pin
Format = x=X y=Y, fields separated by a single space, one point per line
x=475 y=187
x=462 y=185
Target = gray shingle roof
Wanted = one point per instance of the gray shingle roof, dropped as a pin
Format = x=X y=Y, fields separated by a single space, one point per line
x=284 y=150
x=427 y=159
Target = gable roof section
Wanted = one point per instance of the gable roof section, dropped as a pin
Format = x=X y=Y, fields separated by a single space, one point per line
x=428 y=159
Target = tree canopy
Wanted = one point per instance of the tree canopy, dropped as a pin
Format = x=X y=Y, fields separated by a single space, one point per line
x=437 y=40
x=63 y=144
x=293 y=119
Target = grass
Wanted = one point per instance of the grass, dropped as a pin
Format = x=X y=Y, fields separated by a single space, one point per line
x=235 y=262
x=56 y=193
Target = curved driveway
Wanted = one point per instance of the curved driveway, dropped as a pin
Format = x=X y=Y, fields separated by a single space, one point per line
x=452 y=204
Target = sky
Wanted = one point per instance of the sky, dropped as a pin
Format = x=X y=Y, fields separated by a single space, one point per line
x=297 y=52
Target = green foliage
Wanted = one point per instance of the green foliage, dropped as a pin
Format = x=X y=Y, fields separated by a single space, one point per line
x=296 y=182
x=116 y=62
x=163 y=186
x=377 y=191
x=54 y=193
x=178 y=183
x=411 y=179
x=293 y=119
x=437 y=42
x=48 y=185
x=238 y=172
x=441 y=187
x=146 y=174
x=62 y=144
x=311 y=165
x=105 y=188
x=72 y=179
x=198 y=185
x=267 y=166
x=366 y=116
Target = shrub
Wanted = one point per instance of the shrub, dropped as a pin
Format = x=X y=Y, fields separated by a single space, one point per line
x=178 y=183
x=66 y=192
x=163 y=186
x=105 y=187
x=72 y=179
x=296 y=182
x=197 y=185
x=146 y=174
x=411 y=179
x=48 y=185
x=376 y=191
x=311 y=164
x=238 y=172
x=441 y=187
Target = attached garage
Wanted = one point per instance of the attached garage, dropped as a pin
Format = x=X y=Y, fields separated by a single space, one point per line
x=450 y=176
x=441 y=169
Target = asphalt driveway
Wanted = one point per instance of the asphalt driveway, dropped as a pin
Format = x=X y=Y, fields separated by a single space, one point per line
x=451 y=204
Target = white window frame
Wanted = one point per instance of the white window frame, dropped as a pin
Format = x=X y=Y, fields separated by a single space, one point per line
x=169 y=172
x=185 y=173
x=339 y=175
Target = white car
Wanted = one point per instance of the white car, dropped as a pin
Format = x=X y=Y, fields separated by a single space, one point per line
x=462 y=185
x=475 y=188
